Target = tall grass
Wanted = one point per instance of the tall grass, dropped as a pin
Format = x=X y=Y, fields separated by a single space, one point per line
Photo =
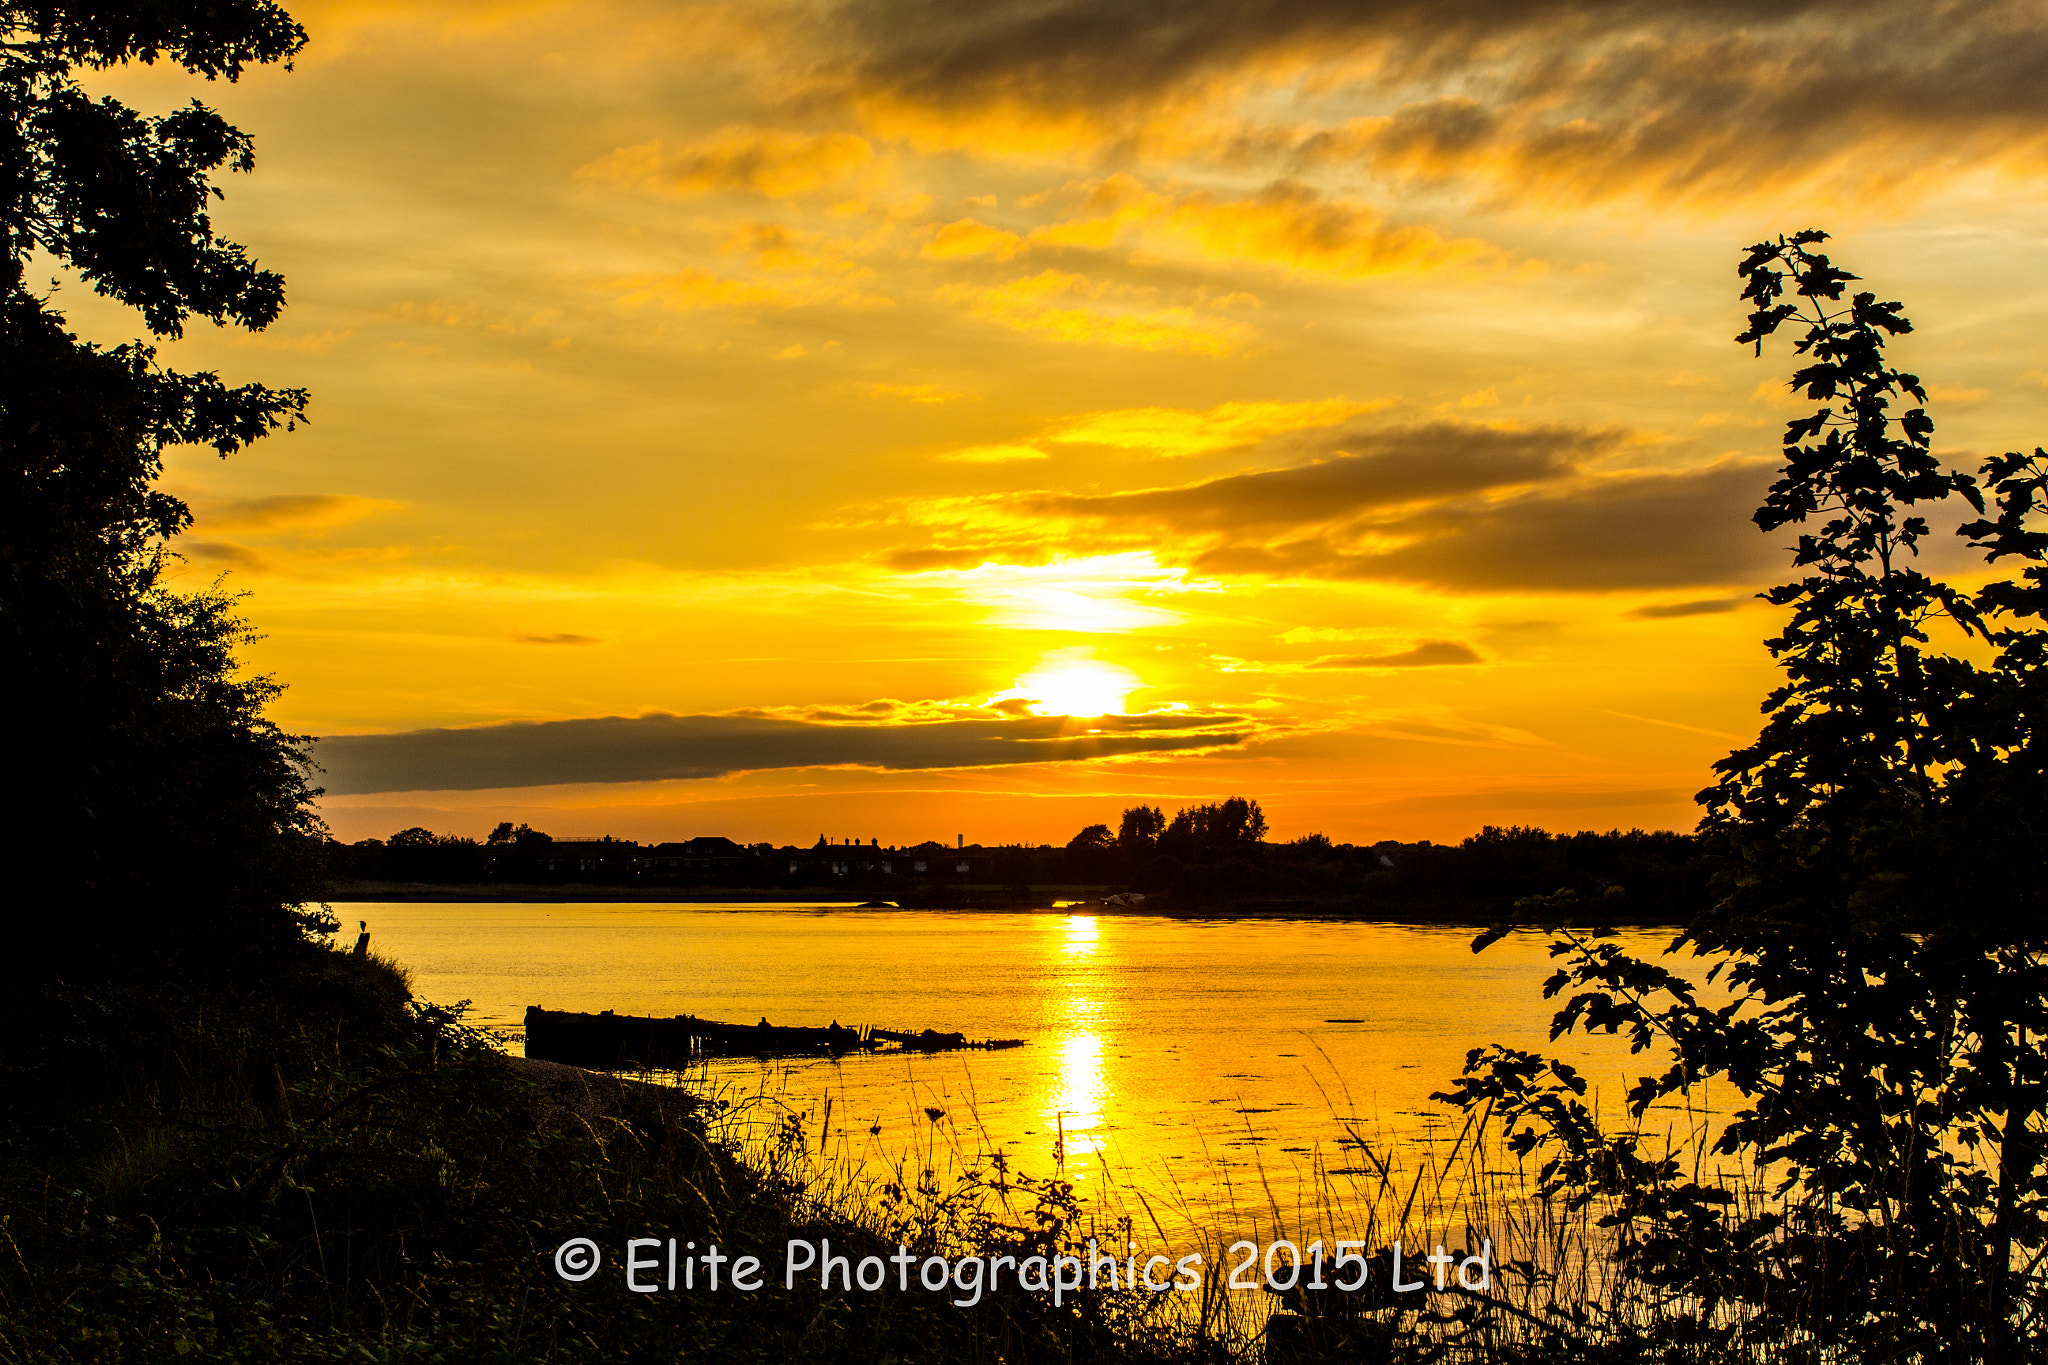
x=1560 y=1288
x=1553 y=1286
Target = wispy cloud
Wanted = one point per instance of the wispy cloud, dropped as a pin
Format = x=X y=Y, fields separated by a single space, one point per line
x=1428 y=654
x=282 y=510
x=1056 y=305
x=1708 y=606
x=762 y=161
x=661 y=747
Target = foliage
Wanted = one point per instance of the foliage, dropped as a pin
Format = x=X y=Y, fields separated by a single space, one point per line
x=1877 y=927
x=164 y=804
x=1139 y=829
x=328 y=1172
x=1093 y=839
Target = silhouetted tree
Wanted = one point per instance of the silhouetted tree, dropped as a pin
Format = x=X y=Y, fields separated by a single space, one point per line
x=158 y=799
x=1139 y=829
x=1091 y=853
x=1879 y=913
x=1094 y=839
x=1214 y=829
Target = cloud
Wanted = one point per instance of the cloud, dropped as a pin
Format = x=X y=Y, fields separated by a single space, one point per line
x=1291 y=226
x=1171 y=433
x=693 y=290
x=967 y=238
x=1458 y=504
x=1384 y=468
x=1432 y=724
x=1698 y=100
x=1665 y=611
x=1428 y=654
x=1633 y=530
x=965 y=557
x=745 y=160
x=660 y=747
x=1083 y=52
x=1059 y=306
x=562 y=639
x=224 y=553
x=1287 y=224
x=285 y=509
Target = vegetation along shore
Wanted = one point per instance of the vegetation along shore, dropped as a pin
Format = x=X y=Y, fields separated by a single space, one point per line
x=1210 y=859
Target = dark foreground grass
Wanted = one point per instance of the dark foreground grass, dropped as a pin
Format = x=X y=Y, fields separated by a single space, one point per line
x=319 y=1168
x=324 y=1170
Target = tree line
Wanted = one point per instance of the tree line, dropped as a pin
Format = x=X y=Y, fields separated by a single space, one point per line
x=1206 y=856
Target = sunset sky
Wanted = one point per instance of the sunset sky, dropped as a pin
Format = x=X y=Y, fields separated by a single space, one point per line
x=766 y=419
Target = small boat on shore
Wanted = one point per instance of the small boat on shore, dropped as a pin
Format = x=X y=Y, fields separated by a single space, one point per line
x=609 y=1041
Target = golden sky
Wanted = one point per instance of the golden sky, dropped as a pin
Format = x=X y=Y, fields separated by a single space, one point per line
x=766 y=419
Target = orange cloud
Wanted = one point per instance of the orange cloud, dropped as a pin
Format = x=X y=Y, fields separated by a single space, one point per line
x=284 y=510
x=1292 y=226
x=968 y=238
x=743 y=160
x=994 y=454
x=694 y=290
x=1058 y=306
x=1691 y=103
x=1287 y=224
x=1176 y=432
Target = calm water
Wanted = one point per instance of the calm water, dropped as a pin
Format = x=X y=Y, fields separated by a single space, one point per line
x=1210 y=1064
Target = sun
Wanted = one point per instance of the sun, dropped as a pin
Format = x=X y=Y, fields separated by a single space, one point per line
x=1074 y=687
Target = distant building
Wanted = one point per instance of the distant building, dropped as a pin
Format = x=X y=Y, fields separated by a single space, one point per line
x=706 y=853
x=586 y=855
x=844 y=860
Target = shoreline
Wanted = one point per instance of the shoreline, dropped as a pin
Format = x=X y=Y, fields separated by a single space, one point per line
x=833 y=898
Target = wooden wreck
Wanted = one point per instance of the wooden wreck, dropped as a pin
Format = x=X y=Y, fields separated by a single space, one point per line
x=610 y=1041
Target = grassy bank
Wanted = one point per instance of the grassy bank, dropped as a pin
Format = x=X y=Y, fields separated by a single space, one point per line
x=313 y=1166
x=326 y=1170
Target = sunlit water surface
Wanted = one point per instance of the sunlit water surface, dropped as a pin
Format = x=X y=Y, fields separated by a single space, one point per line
x=1214 y=1066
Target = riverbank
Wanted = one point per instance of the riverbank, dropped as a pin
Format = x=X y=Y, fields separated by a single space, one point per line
x=1045 y=899
x=318 y=1167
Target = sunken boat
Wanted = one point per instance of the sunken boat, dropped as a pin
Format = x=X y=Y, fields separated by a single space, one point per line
x=608 y=1041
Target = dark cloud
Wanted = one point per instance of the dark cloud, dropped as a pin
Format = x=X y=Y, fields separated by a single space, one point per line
x=1642 y=530
x=1109 y=51
x=1379 y=469
x=1428 y=654
x=656 y=747
x=283 y=509
x=1574 y=98
x=1664 y=611
x=924 y=560
x=224 y=553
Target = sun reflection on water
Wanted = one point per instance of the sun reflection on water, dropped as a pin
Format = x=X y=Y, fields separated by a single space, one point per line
x=1080 y=1088
x=1077 y=1106
x=1081 y=935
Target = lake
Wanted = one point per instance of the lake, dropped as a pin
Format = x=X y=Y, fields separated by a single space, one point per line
x=1215 y=1067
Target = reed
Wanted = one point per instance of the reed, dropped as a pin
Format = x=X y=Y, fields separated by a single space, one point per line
x=1559 y=1288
